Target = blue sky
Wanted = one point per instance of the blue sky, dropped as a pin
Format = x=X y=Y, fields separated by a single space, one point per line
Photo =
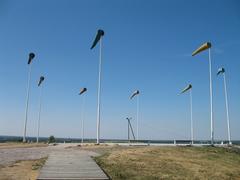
x=147 y=46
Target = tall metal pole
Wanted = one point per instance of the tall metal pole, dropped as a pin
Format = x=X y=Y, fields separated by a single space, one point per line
x=191 y=115
x=137 y=117
x=189 y=87
x=203 y=47
x=211 y=98
x=83 y=113
x=99 y=91
x=226 y=103
x=131 y=130
x=128 y=131
x=27 y=102
x=39 y=113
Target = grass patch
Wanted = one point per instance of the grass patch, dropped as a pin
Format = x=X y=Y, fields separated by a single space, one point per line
x=38 y=164
x=171 y=163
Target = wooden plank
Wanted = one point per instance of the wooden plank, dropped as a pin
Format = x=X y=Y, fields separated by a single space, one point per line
x=71 y=164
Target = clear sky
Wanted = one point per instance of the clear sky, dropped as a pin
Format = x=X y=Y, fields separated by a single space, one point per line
x=147 y=46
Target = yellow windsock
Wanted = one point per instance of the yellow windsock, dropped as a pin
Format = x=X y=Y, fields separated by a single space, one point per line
x=203 y=47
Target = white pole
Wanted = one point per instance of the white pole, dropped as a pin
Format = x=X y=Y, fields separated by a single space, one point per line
x=26 y=110
x=39 y=113
x=83 y=112
x=128 y=132
x=99 y=91
x=211 y=99
x=191 y=115
x=226 y=101
x=137 y=117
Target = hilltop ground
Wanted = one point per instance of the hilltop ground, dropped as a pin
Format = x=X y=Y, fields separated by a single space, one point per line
x=124 y=162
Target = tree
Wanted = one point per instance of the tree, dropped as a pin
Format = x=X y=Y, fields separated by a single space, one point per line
x=51 y=139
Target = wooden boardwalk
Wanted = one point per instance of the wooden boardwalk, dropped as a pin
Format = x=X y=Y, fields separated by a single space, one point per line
x=71 y=165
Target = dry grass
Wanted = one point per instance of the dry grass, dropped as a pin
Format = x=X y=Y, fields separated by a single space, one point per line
x=171 y=163
x=103 y=148
x=22 y=170
x=11 y=145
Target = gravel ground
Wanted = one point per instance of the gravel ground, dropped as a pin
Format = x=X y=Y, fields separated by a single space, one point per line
x=10 y=156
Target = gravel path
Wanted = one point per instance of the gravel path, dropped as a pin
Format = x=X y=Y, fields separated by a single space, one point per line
x=9 y=156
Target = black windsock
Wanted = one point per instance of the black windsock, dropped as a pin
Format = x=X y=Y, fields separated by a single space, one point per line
x=41 y=80
x=31 y=56
x=100 y=33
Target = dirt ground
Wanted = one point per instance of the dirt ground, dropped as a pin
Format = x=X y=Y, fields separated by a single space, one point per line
x=21 y=161
x=22 y=170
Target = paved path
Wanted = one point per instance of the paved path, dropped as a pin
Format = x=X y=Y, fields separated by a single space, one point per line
x=71 y=164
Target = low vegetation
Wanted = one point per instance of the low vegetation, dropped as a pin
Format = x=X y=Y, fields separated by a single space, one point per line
x=39 y=163
x=171 y=163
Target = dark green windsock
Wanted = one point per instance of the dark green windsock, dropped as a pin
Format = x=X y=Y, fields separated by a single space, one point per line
x=100 y=33
x=221 y=71
x=186 y=88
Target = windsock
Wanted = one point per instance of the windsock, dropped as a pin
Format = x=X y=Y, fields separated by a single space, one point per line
x=221 y=71
x=100 y=33
x=203 y=47
x=82 y=90
x=41 y=80
x=134 y=94
x=31 y=56
x=186 y=88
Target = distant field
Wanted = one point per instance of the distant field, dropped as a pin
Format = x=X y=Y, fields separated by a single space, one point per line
x=171 y=163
